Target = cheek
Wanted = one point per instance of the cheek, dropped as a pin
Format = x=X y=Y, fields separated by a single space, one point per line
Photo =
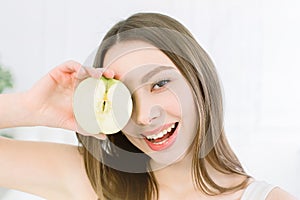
x=172 y=105
x=188 y=112
x=180 y=102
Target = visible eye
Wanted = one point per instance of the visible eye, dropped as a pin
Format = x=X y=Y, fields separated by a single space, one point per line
x=160 y=84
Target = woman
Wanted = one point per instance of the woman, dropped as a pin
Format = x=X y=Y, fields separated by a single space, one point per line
x=173 y=147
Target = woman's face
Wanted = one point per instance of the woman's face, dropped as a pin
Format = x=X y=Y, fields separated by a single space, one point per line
x=163 y=121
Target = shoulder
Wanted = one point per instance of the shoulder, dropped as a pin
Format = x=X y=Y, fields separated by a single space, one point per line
x=279 y=194
x=263 y=190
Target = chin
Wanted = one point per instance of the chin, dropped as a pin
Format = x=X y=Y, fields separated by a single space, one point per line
x=168 y=157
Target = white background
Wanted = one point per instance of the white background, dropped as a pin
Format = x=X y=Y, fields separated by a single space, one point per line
x=254 y=43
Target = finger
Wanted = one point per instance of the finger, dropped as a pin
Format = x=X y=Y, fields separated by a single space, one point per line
x=98 y=72
x=59 y=73
x=70 y=66
x=108 y=73
x=83 y=132
x=83 y=73
x=100 y=136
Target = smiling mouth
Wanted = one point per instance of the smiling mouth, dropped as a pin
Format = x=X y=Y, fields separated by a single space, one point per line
x=161 y=137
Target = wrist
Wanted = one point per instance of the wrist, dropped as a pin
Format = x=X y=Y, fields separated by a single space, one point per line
x=14 y=111
x=27 y=109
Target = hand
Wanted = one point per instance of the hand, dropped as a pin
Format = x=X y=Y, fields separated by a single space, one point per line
x=50 y=99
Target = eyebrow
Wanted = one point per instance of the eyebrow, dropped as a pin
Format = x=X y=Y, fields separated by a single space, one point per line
x=147 y=76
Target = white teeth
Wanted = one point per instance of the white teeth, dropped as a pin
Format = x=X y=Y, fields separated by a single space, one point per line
x=160 y=134
x=160 y=142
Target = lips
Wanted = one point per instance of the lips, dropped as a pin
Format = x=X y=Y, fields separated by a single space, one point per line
x=163 y=138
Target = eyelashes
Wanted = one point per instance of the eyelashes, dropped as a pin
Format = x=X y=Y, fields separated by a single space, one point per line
x=160 y=84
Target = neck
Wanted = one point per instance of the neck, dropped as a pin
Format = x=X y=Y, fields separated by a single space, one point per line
x=174 y=175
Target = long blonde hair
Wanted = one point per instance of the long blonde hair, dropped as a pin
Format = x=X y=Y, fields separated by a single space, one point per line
x=210 y=144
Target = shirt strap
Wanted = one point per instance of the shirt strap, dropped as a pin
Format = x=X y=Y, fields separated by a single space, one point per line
x=257 y=190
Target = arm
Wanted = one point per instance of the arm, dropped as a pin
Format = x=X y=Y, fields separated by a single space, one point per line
x=13 y=111
x=36 y=167
x=41 y=168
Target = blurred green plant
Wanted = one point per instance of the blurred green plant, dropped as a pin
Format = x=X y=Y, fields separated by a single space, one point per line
x=5 y=79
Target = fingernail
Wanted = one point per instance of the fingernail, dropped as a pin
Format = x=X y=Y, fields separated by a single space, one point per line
x=98 y=73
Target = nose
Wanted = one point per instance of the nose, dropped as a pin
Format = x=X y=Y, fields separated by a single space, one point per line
x=145 y=110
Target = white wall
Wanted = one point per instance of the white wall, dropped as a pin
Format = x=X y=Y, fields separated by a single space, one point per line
x=254 y=44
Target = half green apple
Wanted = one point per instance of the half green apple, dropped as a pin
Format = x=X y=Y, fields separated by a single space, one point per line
x=102 y=105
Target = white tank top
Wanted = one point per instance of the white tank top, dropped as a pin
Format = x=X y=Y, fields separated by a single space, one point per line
x=257 y=190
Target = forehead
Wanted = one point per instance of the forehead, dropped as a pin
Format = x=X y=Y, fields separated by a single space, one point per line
x=131 y=56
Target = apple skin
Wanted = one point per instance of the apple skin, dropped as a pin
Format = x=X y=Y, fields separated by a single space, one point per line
x=102 y=105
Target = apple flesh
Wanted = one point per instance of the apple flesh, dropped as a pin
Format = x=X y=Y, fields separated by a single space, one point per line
x=113 y=105
x=102 y=105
